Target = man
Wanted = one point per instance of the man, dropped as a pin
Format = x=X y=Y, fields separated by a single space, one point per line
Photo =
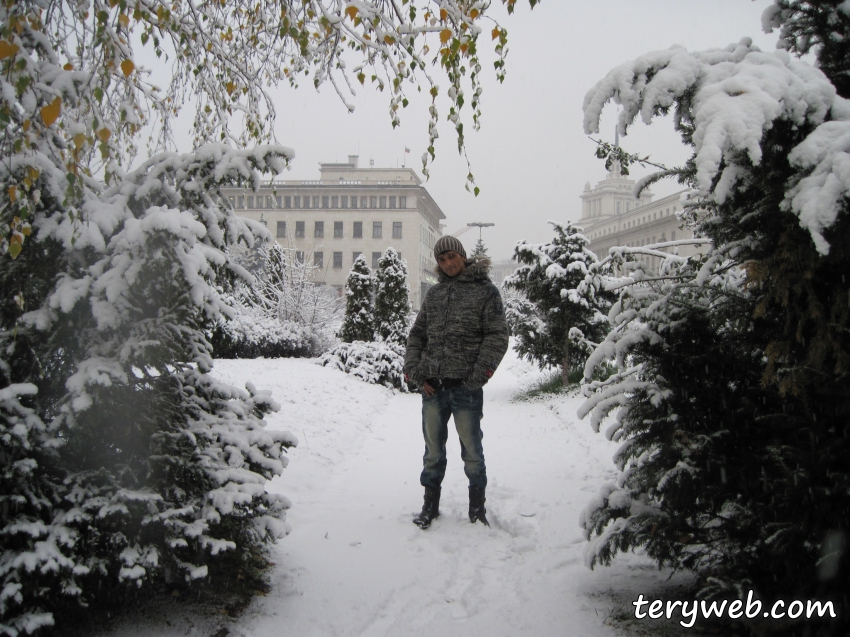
x=454 y=346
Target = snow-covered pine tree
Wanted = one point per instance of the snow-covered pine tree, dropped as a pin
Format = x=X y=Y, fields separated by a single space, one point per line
x=141 y=468
x=358 y=324
x=732 y=399
x=392 y=299
x=558 y=306
x=479 y=251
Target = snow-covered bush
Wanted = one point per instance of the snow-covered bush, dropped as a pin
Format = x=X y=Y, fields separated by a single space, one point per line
x=392 y=299
x=733 y=391
x=375 y=363
x=252 y=334
x=281 y=312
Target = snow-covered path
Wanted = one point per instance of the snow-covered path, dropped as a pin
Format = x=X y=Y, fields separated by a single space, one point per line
x=355 y=566
x=354 y=563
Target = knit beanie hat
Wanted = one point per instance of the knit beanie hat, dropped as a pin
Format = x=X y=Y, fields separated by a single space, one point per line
x=446 y=243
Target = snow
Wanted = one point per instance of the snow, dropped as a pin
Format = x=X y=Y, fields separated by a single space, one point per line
x=354 y=564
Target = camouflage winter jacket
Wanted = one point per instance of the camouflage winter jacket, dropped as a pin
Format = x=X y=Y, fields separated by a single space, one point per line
x=460 y=332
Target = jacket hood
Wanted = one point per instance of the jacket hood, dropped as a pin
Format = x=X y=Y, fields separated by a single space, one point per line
x=476 y=270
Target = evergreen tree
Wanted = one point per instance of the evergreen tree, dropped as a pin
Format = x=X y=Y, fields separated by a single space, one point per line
x=131 y=466
x=559 y=306
x=358 y=323
x=732 y=399
x=392 y=299
x=480 y=251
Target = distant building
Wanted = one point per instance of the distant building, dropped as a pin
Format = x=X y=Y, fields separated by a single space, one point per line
x=500 y=270
x=612 y=216
x=347 y=212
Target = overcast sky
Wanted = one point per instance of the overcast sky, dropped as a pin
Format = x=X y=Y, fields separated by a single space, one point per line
x=531 y=158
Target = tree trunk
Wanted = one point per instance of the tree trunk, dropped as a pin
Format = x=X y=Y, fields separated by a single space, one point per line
x=565 y=364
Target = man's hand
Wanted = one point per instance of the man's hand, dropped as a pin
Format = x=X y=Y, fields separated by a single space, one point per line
x=427 y=389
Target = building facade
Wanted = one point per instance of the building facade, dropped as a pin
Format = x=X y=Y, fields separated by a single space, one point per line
x=347 y=212
x=612 y=216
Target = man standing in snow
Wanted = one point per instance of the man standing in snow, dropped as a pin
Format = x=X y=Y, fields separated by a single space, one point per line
x=454 y=346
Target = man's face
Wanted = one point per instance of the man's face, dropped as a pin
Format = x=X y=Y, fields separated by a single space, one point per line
x=451 y=263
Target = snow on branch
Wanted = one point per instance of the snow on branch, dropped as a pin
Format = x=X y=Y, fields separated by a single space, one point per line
x=725 y=100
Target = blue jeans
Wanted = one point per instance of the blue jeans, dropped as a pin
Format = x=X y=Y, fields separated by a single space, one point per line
x=466 y=407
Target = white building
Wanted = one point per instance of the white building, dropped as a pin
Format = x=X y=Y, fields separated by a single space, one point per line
x=347 y=212
x=611 y=216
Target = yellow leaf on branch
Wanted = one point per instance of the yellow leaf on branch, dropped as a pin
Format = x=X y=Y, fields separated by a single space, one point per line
x=51 y=112
x=7 y=49
x=444 y=15
x=124 y=20
x=13 y=193
x=127 y=67
x=14 y=250
x=79 y=140
x=389 y=39
x=351 y=12
x=496 y=33
x=103 y=134
x=445 y=35
x=68 y=67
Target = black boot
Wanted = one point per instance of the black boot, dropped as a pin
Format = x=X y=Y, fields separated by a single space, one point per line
x=477 y=512
x=430 y=508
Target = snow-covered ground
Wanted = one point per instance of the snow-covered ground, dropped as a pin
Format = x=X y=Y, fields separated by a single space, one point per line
x=355 y=565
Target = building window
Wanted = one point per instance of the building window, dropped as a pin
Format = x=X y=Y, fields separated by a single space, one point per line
x=280 y=202
x=297 y=201
x=299 y=256
x=319 y=259
x=319 y=229
x=287 y=202
x=373 y=202
x=344 y=202
x=377 y=231
x=270 y=202
x=240 y=202
x=250 y=202
x=299 y=229
x=232 y=201
x=383 y=202
x=673 y=235
x=337 y=259
x=358 y=230
x=402 y=202
x=354 y=202
x=375 y=258
x=281 y=229
x=362 y=202
x=354 y=256
x=337 y=229
x=334 y=202
x=325 y=201
x=396 y=229
x=392 y=202
x=316 y=199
